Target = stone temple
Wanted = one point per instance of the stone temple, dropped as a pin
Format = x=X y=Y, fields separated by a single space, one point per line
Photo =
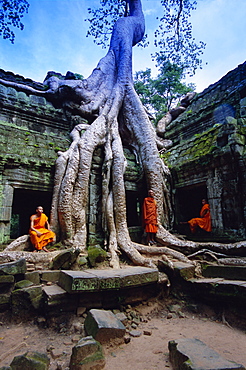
x=207 y=160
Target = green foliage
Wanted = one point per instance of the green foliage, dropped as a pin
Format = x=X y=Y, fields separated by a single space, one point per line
x=173 y=36
x=159 y=94
x=11 y=12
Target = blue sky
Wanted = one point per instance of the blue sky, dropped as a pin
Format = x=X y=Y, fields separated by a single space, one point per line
x=54 y=39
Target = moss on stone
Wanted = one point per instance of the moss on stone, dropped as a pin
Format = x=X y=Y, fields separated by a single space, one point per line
x=96 y=255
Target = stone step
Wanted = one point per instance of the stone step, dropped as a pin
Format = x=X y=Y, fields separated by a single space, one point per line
x=219 y=288
x=193 y=354
x=225 y=271
x=101 y=280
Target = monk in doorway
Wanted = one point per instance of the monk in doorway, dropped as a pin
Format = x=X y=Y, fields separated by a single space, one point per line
x=204 y=221
x=40 y=233
x=150 y=217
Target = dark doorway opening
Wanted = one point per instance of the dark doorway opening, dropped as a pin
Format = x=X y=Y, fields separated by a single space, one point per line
x=133 y=208
x=188 y=202
x=24 y=205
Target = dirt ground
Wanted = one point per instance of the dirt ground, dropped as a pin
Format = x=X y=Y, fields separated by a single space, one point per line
x=161 y=321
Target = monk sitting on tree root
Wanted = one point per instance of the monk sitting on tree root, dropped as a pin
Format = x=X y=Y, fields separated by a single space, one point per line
x=150 y=217
x=40 y=233
x=204 y=222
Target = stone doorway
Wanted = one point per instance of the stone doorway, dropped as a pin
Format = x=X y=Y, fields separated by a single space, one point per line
x=188 y=202
x=133 y=208
x=24 y=205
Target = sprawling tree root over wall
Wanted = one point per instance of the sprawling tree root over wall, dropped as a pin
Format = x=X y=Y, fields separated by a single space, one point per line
x=110 y=102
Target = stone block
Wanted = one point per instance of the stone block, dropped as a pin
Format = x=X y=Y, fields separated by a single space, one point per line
x=50 y=275
x=33 y=277
x=99 y=280
x=78 y=281
x=104 y=326
x=23 y=284
x=65 y=259
x=55 y=295
x=26 y=299
x=5 y=213
x=4 y=301
x=31 y=360
x=87 y=354
x=193 y=354
x=137 y=276
x=13 y=268
x=6 y=279
x=226 y=272
x=184 y=270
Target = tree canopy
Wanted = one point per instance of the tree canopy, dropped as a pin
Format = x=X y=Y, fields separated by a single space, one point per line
x=173 y=35
x=162 y=93
x=11 y=12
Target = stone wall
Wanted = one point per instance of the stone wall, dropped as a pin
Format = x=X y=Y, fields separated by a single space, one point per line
x=208 y=158
x=32 y=130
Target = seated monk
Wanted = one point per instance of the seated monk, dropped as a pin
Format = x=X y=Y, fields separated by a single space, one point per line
x=40 y=233
x=150 y=217
x=204 y=222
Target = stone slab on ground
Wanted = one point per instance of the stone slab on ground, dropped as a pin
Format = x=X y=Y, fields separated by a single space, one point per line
x=31 y=360
x=97 y=280
x=87 y=354
x=193 y=354
x=104 y=326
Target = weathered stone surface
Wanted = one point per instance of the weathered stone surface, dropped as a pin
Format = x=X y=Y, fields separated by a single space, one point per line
x=219 y=289
x=6 y=279
x=96 y=280
x=192 y=354
x=31 y=361
x=50 y=275
x=4 y=301
x=87 y=355
x=13 y=268
x=26 y=299
x=33 y=277
x=96 y=255
x=54 y=295
x=23 y=284
x=226 y=272
x=103 y=325
x=65 y=259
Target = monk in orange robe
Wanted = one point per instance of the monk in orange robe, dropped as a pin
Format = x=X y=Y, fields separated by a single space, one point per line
x=150 y=217
x=40 y=233
x=204 y=222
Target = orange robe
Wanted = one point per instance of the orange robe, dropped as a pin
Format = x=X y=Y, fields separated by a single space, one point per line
x=204 y=222
x=150 y=215
x=47 y=235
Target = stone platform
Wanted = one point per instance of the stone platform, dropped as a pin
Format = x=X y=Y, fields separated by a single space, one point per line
x=97 y=280
x=102 y=288
x=192 y=354
x=218 y=283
